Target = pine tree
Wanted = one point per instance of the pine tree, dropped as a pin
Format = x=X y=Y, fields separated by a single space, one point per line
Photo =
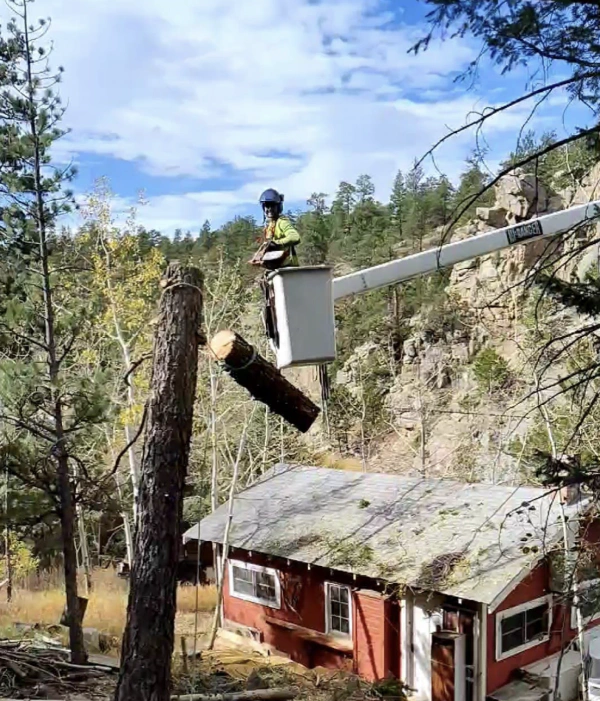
x=442 y=198
x=544 y=166
x=398 y=205
x=472 y=181
x=315 y=231
x=341 y=208
x=47 y=404
x=206 y=239
x=416 y=206
x=365 y=189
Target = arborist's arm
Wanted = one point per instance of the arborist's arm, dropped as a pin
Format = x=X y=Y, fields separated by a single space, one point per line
x=288 y=234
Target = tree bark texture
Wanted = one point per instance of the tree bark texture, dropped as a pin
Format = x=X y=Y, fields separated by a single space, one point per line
x=149 y=632
x=67 y=523
x=263 y=380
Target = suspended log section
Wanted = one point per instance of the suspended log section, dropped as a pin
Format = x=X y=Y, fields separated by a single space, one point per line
x=263 y=380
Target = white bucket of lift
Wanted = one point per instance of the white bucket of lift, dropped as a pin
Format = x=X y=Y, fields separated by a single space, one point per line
x=593 y=669
x=304 y=315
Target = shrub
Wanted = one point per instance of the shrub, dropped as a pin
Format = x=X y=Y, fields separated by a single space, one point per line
x=491 y=370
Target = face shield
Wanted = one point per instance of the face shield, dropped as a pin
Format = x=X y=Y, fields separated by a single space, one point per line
x=270 y=209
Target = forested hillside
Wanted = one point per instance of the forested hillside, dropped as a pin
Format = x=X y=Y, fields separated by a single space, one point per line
x=486 y=372
x=426 y=378
x=391 y=387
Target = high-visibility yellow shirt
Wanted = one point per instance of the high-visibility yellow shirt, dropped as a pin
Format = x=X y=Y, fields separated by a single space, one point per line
x=283 y=232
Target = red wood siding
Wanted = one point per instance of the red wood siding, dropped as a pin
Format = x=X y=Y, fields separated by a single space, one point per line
x=500 y=672
x=376 y=638
x=302 y=603
x=532 y=587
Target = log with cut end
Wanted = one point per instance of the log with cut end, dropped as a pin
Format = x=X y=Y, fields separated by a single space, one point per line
x=263 y=380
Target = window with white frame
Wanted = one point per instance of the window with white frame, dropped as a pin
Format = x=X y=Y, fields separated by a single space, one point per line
x=588 y=593
x=522 y=627
x=338 y=608
x=254 y=583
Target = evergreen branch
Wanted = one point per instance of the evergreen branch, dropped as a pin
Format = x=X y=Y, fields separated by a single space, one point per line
x=584 y=297
x=68 y=347
x=82 y=466
x=26 y=426
x=36 y=482
x=23 y=337
x=566 y=471
x=551 y=56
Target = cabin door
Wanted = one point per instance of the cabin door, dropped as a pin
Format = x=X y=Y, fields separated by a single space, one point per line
x=460 y=620
x=447 y=666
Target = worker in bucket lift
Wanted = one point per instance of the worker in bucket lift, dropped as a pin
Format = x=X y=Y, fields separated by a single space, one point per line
x=280 y=234
x=277 y=251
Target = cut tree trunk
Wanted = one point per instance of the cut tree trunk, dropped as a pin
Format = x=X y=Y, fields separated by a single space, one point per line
x=149 y=633
x=263 y=380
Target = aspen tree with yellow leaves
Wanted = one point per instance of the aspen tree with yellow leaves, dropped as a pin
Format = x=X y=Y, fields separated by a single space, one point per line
x=127 y=280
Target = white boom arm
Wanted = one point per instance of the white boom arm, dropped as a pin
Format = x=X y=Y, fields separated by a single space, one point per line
x=458 y=251
x=305 y=297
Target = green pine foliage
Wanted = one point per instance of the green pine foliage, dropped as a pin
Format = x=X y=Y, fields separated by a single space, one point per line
x=52 y=402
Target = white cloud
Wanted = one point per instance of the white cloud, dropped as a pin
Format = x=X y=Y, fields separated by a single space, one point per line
x=189 y=88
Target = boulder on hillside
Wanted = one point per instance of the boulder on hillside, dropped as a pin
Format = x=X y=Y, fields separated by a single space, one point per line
x=493 y=216
x=521 y=196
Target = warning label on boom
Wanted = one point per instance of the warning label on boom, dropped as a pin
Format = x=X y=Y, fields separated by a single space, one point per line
x=522 y=232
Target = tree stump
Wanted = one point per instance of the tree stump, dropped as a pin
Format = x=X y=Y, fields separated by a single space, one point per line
x=149 y=633
x=263 y=380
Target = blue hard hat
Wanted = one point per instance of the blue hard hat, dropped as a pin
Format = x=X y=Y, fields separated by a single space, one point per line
x=271 y=195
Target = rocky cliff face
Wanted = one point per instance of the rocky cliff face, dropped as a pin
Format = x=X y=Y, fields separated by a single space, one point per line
x=458 y=404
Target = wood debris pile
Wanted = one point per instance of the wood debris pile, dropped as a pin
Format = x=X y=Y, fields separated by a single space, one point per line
x=35 y=669
x=240 y=675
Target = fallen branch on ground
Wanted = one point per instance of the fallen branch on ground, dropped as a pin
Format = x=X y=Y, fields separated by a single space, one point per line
x=254 y=695
x=26 y=664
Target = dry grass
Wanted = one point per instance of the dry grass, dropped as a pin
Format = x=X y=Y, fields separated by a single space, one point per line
x=42 y=600
x=336 y=462
x=186 y=599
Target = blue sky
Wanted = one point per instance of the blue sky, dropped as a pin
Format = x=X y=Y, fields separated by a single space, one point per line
x=204 y=103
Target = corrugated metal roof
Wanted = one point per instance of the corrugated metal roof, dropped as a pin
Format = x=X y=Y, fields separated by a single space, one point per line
x=465 y=540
